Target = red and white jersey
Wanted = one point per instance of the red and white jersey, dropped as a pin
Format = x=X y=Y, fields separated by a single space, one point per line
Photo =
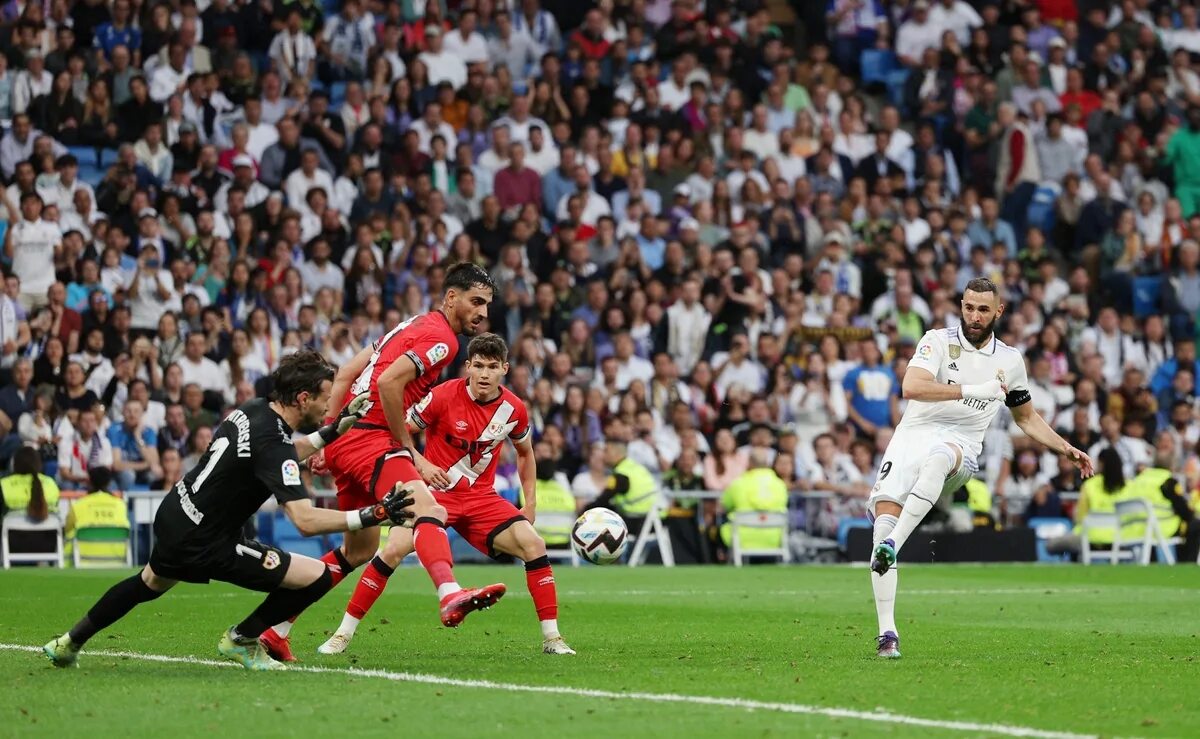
x=463 y=435
x=428 y=341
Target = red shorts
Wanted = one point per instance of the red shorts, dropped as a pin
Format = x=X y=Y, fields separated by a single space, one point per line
x=478 y=517
x=366 y=465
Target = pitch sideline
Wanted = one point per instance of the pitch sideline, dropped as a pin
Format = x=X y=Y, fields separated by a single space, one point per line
x=699 y=700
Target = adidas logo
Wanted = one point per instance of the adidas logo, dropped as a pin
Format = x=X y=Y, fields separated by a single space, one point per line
x=953 y=366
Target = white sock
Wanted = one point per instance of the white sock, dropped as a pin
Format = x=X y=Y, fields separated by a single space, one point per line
x=349 y=625
x=550 y=628
x=283 y=629
x=447 y=588
x=885 y=585
x=928 y=488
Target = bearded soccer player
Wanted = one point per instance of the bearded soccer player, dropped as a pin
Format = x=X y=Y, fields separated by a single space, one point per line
x=466 y=422
x=397 y=372
x=198 y=527
x=955 y=384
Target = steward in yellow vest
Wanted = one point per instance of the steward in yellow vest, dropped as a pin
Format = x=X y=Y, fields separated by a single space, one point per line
x=554 y=497
x=98 y=509
x=632 y=491
x=756 y=490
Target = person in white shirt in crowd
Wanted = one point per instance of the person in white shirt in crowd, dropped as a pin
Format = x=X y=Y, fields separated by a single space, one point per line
x=430 y=124
x=519 y=120
x=957 y=16
x=347 y=39
x=917 y=34
x=199 y=369
x=736 y=368
x=293 y=52
x=308 y=176
x=592 y=204
x=510 y=48
x=151 y=290
x=16 y=147
x=170 y=78
x=153 y=154
x=442 y=65
x=759 y=138
x=687 y=327
x=541 y=155
x=243 y=178
x=261 y=133
x=540 y=24
x=630 y=366
x=61 y=191
x=81 y=449
x=319 y=271
x=466 y=42
x=33 y=245
x=32 y=82
x=96 y=366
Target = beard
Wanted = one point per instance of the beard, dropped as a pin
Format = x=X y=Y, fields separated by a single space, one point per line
x=978 y=336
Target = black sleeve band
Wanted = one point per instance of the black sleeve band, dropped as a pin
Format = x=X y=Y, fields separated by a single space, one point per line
x=1016 y=398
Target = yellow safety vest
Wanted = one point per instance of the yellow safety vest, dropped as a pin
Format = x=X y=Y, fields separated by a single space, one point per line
x=759 y=489
x=553 y=497
x=18 y=490
x=1100 y=500
x=1148 y=486
x=979 y=502
x=97 y=510
x=643 y=489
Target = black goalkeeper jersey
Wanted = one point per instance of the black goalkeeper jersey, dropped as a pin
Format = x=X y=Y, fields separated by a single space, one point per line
x=251 y=458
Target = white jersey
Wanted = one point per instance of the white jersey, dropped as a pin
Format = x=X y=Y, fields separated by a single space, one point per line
x=953 y=360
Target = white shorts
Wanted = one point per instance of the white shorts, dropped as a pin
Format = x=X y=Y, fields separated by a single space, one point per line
x=902 y=461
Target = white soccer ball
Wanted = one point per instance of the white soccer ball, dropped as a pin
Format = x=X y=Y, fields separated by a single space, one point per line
x=600 y=536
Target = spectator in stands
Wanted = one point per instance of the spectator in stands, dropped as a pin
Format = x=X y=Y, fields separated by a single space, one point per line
x=85 y=448
x=134 y=448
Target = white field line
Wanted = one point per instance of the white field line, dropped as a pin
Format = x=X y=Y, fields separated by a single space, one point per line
x=695 y=700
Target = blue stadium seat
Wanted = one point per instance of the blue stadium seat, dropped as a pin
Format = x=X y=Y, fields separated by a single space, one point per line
x=895 y=87
x=337 y=95
x=85 y=154
x=288 y=538
x=1146 y=292
x=91 y=174
x=1049 y=528
x=1041 y=211
x=844 y=526
x=876 y=64
x=108 y=157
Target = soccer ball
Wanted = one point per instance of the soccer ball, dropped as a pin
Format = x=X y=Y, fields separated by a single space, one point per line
x=599 y=536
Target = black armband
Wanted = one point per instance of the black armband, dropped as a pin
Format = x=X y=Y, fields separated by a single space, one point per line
x=1016 y=398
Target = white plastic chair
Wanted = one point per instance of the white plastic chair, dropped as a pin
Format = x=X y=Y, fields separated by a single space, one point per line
x=101 y=535
x=558 y=521
x=653 y=529
x=1126 y=513
x=18 y=521
x=758 y=520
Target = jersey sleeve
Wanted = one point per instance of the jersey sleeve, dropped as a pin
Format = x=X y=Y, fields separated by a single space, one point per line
x=430 y=351
x=928 y=355
x=521 y=431
x=1018 y=385
x=429 y=409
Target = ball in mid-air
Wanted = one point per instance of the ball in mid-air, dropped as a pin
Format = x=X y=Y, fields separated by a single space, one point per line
x=600 y=536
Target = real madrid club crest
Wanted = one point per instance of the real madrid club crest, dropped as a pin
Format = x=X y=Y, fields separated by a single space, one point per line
x=1000 y=376
x=955 y=351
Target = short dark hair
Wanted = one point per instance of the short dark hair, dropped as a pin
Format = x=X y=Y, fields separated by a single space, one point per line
x=303 y=372
x=466 y=275
x=99 y=479
x=488 y=346
x=982 y=285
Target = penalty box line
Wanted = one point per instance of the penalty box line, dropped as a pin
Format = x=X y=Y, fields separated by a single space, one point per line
x=695 y=700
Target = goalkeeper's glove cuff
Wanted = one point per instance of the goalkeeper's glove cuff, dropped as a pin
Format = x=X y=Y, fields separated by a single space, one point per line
x=371 y=515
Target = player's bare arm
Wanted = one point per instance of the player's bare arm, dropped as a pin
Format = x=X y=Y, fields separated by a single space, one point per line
x=345 y=378
x=311 y=521
x=391 y=394
x=1032 y=423
x=527 y=470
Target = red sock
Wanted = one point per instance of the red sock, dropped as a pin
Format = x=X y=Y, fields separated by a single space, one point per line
x=370 y=587
x=540 y=580
x=433 y=549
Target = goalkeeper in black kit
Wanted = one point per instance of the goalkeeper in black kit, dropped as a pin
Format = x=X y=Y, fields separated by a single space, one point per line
x=198 y=527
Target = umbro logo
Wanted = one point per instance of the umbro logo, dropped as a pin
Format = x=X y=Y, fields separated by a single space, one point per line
x=953 y=366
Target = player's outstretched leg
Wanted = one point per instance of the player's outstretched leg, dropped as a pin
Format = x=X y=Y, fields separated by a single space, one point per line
x=522 y=540
x=305 y=581
x=942 y=460
x=112 y=606
x=276 y=639
x=883 y=583
x=370 y=587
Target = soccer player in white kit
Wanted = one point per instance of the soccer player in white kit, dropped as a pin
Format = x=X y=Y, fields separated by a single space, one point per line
x=955 y=384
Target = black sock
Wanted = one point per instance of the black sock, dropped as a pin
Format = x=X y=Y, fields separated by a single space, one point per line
x=382 y=567
x=282 y=604
x=112 y=607
x=344 y=563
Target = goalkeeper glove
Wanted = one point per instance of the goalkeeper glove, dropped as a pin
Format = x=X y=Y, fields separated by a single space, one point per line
x=350 y=415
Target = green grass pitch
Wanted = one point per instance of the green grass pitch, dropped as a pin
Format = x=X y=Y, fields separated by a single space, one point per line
x=988 y=651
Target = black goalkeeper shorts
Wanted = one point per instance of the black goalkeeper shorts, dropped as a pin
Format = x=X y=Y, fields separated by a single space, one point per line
x=243 y=562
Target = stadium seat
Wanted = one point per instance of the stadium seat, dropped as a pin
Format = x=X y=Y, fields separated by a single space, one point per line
x=844 y=527
x=654 y=529
x=758 y=520
x=18 y=521
x=1041 y=211
x=1146 y=292
x=876 y=64
x=85 y=154
x=108 y=157
x=1127 y=545
x=558 y=521
x=101 y=535
x=289 y=538
x=337 y=95
x=1046 y=529
x=895 y=87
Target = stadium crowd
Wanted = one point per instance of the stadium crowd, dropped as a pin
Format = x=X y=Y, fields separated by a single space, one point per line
x=716 y=237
